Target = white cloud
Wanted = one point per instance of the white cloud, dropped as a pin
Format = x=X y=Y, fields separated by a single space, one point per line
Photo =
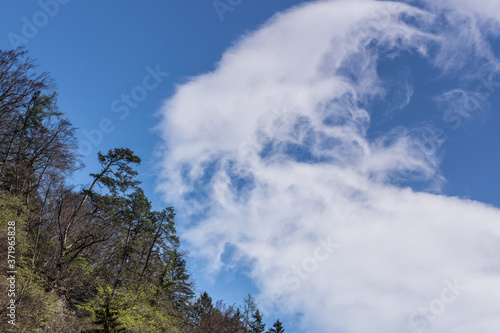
x=486 y=9
x=271 y=149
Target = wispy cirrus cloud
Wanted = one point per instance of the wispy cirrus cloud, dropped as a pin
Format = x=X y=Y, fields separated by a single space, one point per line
x=299 y=92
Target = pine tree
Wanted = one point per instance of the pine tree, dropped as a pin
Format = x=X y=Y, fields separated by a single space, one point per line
x=277 y=327
x=257 y=326
x=203 y=309
x=249 y=307
x=108 y=319
x=176 y=280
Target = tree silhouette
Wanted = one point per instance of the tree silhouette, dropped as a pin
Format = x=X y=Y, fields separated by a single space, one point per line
x=257 y=326
x=277 y=327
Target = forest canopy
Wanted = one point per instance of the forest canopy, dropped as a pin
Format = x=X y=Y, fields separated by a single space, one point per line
x=92 y=258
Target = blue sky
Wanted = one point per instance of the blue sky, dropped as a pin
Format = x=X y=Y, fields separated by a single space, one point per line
x=357 y=123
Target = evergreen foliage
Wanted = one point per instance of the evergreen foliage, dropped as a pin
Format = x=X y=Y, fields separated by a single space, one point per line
x=257 y=325
x=98 y=259
x=277 y=327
